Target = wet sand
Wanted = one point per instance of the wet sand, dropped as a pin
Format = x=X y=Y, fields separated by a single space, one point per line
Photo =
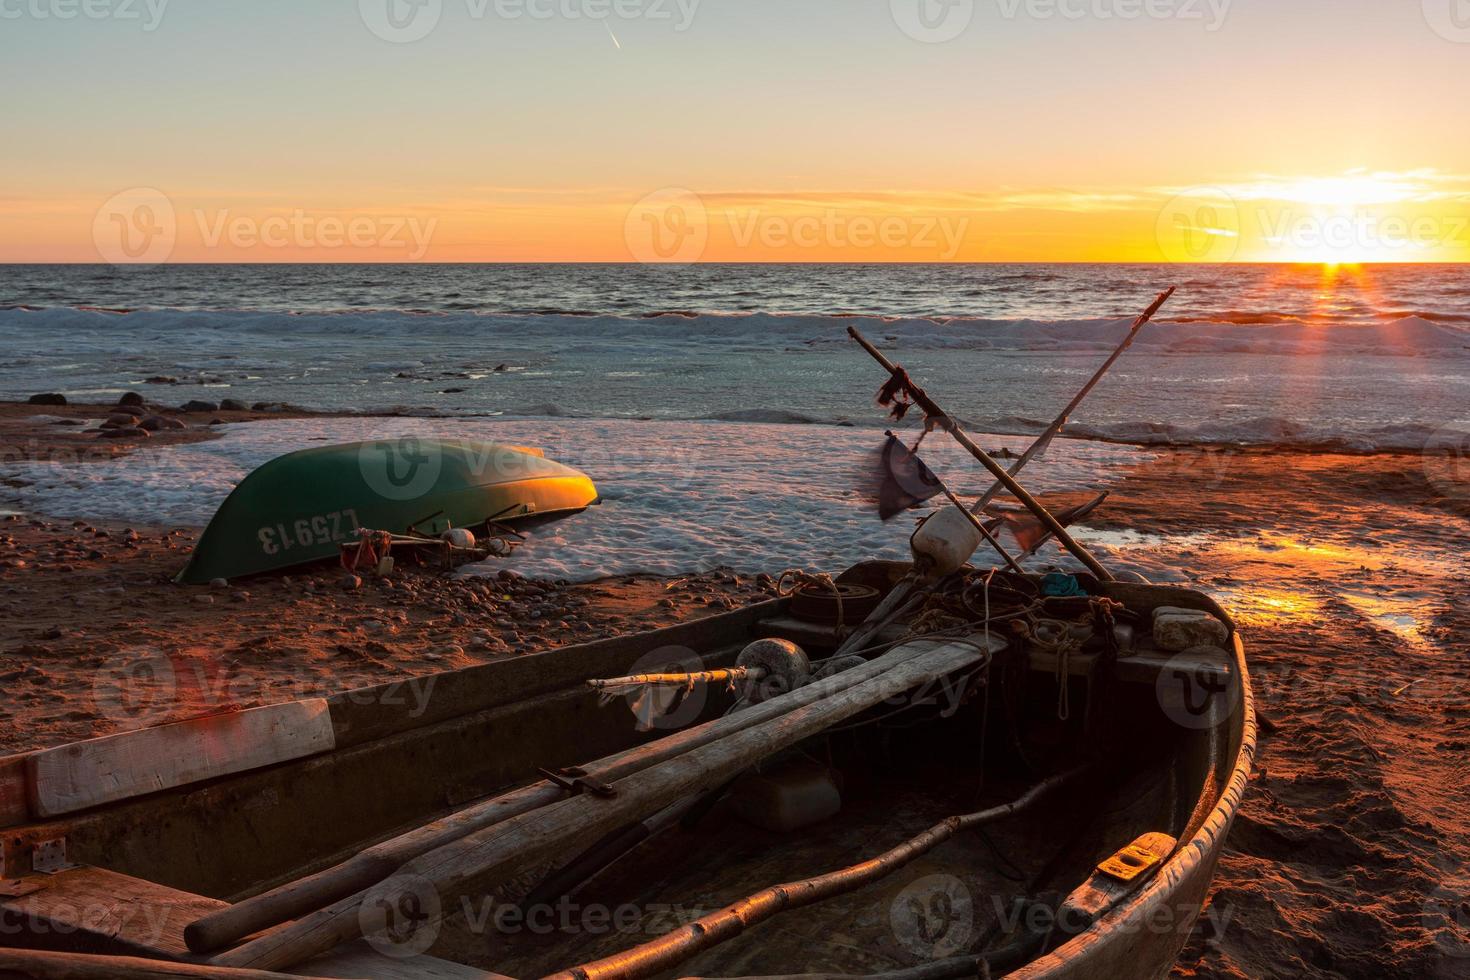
x=1348 y=575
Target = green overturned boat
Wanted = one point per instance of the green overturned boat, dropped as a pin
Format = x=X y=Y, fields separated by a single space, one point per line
x=304 y=506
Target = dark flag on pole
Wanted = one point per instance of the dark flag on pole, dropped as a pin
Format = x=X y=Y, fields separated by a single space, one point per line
x=900 y=479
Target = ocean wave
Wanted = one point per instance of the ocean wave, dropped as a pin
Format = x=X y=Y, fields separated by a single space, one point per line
x=1281 y=433
x=1414 y=334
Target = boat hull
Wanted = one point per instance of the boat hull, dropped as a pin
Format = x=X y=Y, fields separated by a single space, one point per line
x=303 y=507
x=445 y=740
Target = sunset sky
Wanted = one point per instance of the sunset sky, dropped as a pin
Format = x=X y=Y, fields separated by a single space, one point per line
x=735 y=130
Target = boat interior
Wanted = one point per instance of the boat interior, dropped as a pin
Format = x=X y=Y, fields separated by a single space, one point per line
x=1070 y=692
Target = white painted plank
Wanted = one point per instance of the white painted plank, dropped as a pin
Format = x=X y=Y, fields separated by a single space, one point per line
x=119 y=767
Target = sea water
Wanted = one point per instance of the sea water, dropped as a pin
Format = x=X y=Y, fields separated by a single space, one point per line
x=1361 y=358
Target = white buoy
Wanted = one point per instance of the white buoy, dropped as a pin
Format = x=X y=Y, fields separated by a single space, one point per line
x=944 y=543
x=459 y=537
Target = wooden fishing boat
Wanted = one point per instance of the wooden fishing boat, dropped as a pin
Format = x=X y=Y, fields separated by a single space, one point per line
x=1001 y=777
x=302 y=507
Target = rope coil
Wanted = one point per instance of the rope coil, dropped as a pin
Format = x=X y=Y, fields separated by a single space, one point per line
x=800 y=579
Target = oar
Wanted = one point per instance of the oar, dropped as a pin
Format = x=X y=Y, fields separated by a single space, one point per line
x=613 y=685
x=932 y=410
x=499 y=853
x=1039 y=446
x=376 y=863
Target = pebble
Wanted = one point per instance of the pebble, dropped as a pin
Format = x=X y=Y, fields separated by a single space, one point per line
x=51 y=398
x=233 y=405
x=160 y=423
x=128 y=432
x=350 y=582
x=219 y=583
x=204 y=600
x=241 y=596
x=131 y=398
x=200 y=406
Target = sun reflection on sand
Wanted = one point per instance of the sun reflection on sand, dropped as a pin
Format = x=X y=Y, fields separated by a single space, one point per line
x=1275 y=580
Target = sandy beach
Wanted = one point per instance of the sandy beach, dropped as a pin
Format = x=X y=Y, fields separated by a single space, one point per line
x=1349 y=858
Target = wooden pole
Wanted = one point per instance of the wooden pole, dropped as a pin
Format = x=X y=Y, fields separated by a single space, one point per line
x=380 y=861
x=499 y=853
x=984 y=531
x=680 y=680
x=932 y=410
x=673 y=948
x=1039 y=446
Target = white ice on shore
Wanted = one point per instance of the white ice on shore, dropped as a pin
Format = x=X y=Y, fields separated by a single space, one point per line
x=677 y=497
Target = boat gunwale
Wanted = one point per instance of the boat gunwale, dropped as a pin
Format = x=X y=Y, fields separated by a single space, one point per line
x=1204 y=846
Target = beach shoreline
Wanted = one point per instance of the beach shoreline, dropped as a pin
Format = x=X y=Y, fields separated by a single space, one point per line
x=1355 y=649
